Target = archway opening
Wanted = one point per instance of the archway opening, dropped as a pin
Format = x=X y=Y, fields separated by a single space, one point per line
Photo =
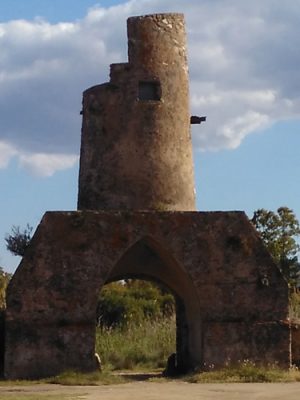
x=136 y=325
x=148 y=260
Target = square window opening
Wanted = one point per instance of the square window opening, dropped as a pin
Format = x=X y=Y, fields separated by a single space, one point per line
x=149 y=91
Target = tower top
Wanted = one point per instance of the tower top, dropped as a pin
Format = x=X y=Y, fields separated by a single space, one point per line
x=136 y=151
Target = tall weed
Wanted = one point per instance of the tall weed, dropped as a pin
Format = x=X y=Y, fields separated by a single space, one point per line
x=145 y=345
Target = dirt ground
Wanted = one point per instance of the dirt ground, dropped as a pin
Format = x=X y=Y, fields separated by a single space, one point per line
x=173 y=390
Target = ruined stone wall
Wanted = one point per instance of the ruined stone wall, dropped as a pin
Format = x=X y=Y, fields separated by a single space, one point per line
x=234 y=299
x=136 y=148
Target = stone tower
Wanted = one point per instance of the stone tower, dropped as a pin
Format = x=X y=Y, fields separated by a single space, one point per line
x=136 y=219
x=136 y=151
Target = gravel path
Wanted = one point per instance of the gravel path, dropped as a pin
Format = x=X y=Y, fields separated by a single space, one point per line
x=173 y=390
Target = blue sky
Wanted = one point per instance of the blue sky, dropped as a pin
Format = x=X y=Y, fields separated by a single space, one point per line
x=244 y=73
x=51 y=10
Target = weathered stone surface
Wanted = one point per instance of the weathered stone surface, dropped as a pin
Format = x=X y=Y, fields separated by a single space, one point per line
x=137 y=153
x=213 y=262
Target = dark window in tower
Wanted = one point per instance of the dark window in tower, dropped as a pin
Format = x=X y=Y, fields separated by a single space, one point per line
x=149 y=91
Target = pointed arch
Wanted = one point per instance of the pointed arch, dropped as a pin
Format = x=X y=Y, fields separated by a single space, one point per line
x=149 y=259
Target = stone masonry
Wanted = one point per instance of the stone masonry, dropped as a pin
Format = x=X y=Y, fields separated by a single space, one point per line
x=136 y=150
x=136 y=218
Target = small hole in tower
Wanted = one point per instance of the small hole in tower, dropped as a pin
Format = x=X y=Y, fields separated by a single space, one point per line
x=149 y=90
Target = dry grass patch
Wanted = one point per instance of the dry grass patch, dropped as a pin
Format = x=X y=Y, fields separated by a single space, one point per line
x=73 y=378
x=246 y=371
x=37 y=396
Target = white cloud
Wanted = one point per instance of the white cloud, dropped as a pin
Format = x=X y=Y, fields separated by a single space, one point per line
x=42 y=164
x=238 y=128
x=39 y=164
x=243 y=59
x=6 y=153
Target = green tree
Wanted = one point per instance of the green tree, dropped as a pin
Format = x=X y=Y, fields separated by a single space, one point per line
x=18 y=240
x=4 y=279
x=279 y=230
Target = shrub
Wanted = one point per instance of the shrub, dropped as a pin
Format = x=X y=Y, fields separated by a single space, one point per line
x=295 y=306
x=4 y=280
x=121 y=303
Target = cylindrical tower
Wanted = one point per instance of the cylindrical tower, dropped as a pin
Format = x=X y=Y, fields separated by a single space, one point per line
x=136 y=151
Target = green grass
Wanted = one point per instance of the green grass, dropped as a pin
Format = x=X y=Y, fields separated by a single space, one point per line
x=246 y=371
x=37 y=396
x=71 y=378
x=242 y=373
x=18 y=383
x=144 y=346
